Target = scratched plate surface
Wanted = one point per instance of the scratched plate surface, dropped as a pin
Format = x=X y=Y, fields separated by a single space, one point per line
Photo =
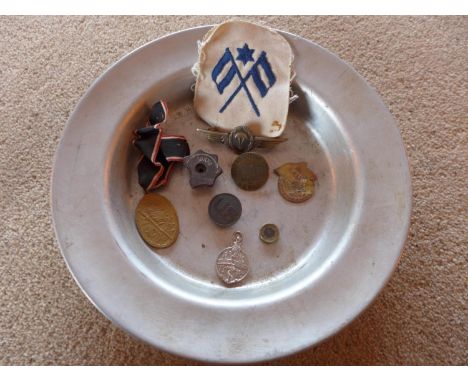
x=335 y=251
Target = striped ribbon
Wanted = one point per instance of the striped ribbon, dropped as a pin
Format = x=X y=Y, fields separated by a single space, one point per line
x=159 y=152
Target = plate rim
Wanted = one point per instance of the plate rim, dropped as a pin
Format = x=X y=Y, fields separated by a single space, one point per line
x=407 y=215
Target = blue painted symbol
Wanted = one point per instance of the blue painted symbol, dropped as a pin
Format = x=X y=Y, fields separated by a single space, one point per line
x=245 y=54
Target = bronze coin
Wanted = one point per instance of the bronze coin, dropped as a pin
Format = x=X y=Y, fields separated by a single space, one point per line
x=156 y=221
x=225 y=209
x=250 y=171
x=269 y=233
x=296 y=182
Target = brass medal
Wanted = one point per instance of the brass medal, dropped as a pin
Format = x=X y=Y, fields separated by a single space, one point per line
x=296 y=182
x=156 y=221
x=250 y=171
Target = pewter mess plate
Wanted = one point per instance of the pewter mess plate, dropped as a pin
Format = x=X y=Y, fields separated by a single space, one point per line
x=336 y=251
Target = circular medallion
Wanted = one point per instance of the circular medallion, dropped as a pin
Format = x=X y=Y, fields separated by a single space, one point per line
x=250 y=171
x=269 y=233
x=296 y=182
x=156 y=221
x=232 y=265
x=225 y=209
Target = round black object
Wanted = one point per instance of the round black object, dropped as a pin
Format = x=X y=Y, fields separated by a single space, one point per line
x=225 y=209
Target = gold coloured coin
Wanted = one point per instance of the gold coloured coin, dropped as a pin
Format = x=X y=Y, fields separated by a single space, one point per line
x=250 y=171
x=296 y=182
x=269 y=233
x=156 y=221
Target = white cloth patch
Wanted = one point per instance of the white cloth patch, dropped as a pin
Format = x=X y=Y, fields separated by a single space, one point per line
x=244 y=74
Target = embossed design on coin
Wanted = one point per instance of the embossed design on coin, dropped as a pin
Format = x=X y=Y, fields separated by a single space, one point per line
x=156 y=221
x=225 y=209
x=269 y=233
x=296 y=182
x=232 y=265
x=250 y=171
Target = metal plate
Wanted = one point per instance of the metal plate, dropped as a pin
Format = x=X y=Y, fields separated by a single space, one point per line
x=336 y=252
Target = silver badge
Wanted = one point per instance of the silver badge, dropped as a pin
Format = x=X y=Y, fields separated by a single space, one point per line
x=232 y=265
x=240 y=139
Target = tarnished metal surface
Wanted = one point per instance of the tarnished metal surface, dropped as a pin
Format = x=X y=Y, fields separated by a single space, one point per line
x=232 y=265
x=269 y=233
x=296 y=182
x=156 y=221
x=240 y=139
x=225 y=209
x=336 y=251
x=203 y=168
x=250 y=171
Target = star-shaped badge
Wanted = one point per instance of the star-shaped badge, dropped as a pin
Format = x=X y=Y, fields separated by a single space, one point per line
x=245 y=54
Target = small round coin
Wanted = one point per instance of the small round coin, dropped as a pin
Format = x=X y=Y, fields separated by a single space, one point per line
x=225 y=209
x=269 y=233
x=156 y=221
x=250 y=171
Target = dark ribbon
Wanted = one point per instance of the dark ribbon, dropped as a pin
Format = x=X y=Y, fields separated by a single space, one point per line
x=160 y=152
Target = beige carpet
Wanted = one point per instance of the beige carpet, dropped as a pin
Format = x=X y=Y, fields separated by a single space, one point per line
x=419 y=65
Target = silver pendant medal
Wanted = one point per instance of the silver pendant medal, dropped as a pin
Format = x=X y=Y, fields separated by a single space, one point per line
x=232 y=265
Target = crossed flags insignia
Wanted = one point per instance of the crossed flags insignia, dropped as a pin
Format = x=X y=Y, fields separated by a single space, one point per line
x=261 y=65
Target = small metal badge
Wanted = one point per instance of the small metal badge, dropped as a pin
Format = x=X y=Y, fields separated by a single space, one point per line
x=203 y=168
x=296 y=182
x=240 y=139
x=269 y=233
x=232 y=265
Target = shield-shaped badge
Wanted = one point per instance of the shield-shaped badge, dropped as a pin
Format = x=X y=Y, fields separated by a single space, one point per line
x=244 y=74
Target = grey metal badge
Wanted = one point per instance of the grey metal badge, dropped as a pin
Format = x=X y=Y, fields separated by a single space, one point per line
x=232 y=265
x=240 y=139
x=203 y=168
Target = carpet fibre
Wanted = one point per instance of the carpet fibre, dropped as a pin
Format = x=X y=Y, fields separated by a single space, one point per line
x=419 y=65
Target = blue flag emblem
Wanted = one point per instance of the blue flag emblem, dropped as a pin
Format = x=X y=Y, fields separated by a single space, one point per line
x=245 y=54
